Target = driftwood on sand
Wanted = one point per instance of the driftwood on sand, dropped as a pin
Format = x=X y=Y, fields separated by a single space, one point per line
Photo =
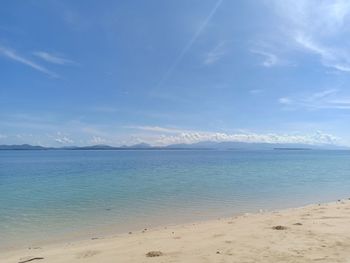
x=30 y=259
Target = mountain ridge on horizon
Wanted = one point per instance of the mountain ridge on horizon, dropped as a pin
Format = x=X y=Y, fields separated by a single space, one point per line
x=205 y=145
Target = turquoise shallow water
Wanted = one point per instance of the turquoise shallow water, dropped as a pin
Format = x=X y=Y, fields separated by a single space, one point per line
x=48 y=195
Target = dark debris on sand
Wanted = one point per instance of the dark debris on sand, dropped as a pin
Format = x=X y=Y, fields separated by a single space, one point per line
x=279 y=227
x=298 y=224
x=152 y=254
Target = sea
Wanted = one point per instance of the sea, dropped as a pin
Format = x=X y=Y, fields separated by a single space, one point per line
x=55 y=195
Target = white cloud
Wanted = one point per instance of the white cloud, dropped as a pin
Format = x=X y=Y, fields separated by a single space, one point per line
x=317 y=27
x=270 y=59
x=53 y=58
x=97 y=140
x=215 y=54
x=11 y=54
x=164 y=136
x=62 y=139
x=285 y=100
x=326 y=99
x=193 y=137
x=156 y=129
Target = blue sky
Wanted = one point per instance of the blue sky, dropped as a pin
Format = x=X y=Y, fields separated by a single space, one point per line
x=162 y=72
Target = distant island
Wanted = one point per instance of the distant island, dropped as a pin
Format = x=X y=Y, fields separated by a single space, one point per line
x=232 y=146
x=24 y=147
x=292 y=149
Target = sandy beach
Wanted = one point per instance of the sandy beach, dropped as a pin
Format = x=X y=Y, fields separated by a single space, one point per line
x=314 y=233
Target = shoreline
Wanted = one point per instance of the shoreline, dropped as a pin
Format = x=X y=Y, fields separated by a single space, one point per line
x=303 y=234
x=114 y=230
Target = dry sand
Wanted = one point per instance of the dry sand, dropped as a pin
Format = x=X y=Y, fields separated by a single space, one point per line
x=315 y=233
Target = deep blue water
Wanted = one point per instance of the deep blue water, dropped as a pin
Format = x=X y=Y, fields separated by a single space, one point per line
x=56 y=194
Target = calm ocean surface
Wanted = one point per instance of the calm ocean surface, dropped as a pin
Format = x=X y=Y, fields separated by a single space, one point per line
x=52 y=195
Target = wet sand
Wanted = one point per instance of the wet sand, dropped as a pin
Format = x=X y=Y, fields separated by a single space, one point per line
x=314 y=233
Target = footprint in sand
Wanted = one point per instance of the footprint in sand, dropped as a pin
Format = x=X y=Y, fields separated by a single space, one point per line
x=88 y=253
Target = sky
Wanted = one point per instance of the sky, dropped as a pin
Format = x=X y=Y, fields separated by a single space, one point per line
x=165 y=72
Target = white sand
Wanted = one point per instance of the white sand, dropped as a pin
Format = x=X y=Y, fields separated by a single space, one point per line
x=322 y=235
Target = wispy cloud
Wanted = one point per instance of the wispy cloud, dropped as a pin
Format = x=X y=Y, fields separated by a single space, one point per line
x=215 y=54
x=285 y=101
x=313 y=15
x=256 y=91
x=333 y=58
x=11 y=54
x=189 y=43
x=326 y=99
x=53 y=58
x=270 y=59
x=317 y=27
